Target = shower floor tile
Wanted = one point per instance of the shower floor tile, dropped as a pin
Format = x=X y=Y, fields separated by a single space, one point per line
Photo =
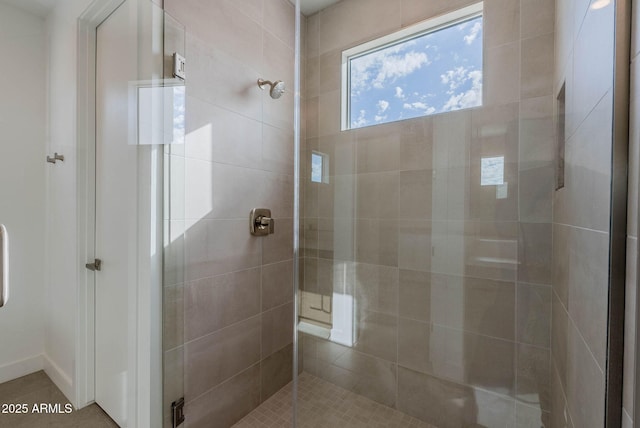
x=324 y=405
x=37 y=388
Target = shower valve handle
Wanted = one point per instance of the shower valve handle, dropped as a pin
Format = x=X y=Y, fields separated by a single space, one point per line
x=260 y=222
x=265 y=223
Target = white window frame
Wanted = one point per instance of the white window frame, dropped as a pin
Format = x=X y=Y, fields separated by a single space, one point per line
x=430 y=25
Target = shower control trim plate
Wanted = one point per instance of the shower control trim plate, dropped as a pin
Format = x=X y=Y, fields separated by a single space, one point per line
x=260 y=222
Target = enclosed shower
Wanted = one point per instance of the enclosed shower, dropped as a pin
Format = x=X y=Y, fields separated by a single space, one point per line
x=445 y=246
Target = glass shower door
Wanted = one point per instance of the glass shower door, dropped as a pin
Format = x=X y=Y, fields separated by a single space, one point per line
x=425 y=243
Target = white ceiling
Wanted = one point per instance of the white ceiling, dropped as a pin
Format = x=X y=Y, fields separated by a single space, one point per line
x=309 y=7
x=43 y=7
x=38 y=7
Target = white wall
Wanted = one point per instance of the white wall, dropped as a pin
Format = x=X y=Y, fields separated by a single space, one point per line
x=62 y=254
x=22 y=188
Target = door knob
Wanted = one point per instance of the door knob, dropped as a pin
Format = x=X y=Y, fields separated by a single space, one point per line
x=260 y=222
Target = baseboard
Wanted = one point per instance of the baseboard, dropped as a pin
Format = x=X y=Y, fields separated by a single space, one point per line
x=60 y=378
x=21 y=368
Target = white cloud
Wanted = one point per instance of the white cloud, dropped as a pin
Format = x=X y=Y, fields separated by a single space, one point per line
x=419 y=106
x=360 y=121
x=400 y=93
x=473 y=34
x=383 y=67
x=383 y=105
x=469 y=98
x=395 y=66
x=454 y=78
x=378 y=118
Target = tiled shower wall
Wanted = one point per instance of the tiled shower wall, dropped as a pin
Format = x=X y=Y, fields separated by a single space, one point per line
x=632 y=228
x=584 y=62
x=229 y=295
x=452 y=284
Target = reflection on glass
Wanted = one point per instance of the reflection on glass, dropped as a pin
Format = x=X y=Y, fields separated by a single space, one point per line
x=492 y=171
x=319 y=167
x=160 y=111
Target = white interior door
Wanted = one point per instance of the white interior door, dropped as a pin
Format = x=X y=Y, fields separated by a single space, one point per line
x=116 y=186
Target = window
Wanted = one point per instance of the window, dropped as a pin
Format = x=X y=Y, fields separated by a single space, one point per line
x=432 y=67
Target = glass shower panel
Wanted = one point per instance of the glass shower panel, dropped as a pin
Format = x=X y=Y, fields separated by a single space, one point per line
x=425 y=244
x=174 y=222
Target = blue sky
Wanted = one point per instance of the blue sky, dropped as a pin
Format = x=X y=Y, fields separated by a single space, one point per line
x=434 y=73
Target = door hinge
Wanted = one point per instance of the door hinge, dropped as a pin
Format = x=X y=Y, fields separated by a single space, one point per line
x=96 y=265
x=177 y=412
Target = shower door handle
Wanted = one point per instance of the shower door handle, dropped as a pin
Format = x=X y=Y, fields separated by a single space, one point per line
x=4 y=265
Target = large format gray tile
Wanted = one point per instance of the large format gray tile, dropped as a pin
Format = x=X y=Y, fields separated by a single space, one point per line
x=502 y=68
x=561 y=261
x=417 y=10
x=277 y=284
x=537 y=146
x=219 y=356
x=376 y=334
x=536 y=194
x=226 y=404
x=276 y=371
x=531 y=417
x=414 y=295
x=502 y=22
x=628 y=394
x=593 y=58
x=588 y=169
x=211 y=65
x=365 y=375
x=533 y=377
x=375 y=18
x=533 y=322
x=378 y=148
x=458 y=356
x=490 y=250
x=534 y=253
x=377 y=195
x=376 y=288
x=536 y=17
x=341 y=151
x=277 y=329
x=416 y=144
x=172 y=316
x=278 y=246
x=217 y=134
x=415 y=194
x=451 y=405
x=214 y=247
x=213 y=303
x=489 y=307
x=536 y=77
x=589 y=288
x=279 y=17
x=414 y=245
x=377 y=242
x=559 y=339
x=585 y=383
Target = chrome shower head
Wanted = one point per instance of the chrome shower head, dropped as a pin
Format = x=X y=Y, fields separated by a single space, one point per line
x=277 y=87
